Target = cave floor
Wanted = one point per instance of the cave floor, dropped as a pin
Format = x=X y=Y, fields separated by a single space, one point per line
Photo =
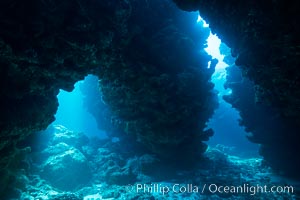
x=114 y=175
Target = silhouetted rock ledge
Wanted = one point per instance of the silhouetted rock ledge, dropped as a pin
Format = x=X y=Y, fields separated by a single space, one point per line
x=264 y=38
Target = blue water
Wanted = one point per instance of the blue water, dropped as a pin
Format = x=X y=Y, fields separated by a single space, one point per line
x=72 y=114
x=225 y=121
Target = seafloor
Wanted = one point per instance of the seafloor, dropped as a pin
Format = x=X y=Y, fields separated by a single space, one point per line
x=65 y=165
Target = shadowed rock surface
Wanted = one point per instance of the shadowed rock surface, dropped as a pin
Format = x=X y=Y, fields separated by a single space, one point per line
x=264 y=38
x=152 y=75
x=150 y=62
x=158 y=90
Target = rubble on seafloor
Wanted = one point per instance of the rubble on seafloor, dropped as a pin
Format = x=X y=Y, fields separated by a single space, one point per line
x=72 y=167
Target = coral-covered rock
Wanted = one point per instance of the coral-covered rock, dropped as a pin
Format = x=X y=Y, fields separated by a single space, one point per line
x=13 y=168
x=116 y=175
x=65 y=196
x=66 y=170
x=62 y=134
x=110 y=167
x=159 y=90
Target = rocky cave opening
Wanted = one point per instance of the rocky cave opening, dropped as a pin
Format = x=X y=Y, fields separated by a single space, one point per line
x=228 y=134
x=72 y=111
x=157 y=103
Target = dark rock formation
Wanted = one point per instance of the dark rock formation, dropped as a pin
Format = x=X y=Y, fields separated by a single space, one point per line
x=42 y=50
x=264 y=36
x=267 y=127
x=44 y=46
x=153 y=69
x=159 y=89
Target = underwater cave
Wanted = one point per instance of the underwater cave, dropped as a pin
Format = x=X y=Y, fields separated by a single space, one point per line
x=228 y=136
x=72 y=112
x=160 y=99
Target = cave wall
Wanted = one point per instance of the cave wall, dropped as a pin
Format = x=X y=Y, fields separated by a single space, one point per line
x=45 y=46
x=264 y=38
x=148 y=55
x=159 y=89
x=266 y=126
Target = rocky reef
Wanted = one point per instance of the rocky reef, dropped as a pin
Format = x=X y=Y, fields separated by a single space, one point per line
x=101 y=169
x=264 y=38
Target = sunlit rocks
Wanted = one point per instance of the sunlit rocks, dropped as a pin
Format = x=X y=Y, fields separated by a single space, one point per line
x=117 y=174
x=62 y=134
x=66 y=170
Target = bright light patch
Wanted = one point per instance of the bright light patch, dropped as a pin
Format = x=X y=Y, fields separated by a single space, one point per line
x=213 y=43
x=213 y=46
x=208 y=64
x=200 y=19
x=213 y=49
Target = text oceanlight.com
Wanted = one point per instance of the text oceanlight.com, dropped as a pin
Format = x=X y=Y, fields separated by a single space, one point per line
x=208 y=188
